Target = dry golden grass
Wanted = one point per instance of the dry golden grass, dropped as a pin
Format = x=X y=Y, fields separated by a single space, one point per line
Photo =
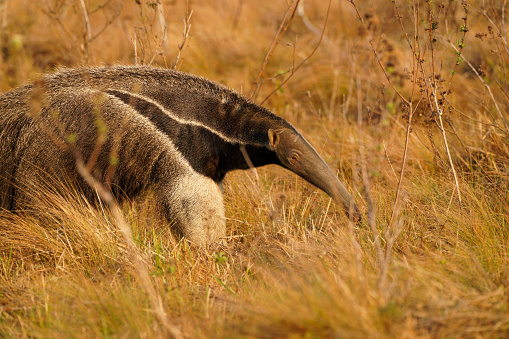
x=294 y=267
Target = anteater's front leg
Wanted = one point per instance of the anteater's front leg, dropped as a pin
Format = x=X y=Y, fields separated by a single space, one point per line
x=193 y=204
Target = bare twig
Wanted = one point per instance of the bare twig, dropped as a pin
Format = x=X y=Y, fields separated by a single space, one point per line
x=53 y=14
x=185 y=36
x=109 y=21
x=481 y=80
x=159 y=40
x=410 y=112
x=148 y=40
x=295 y=69
x=439 y=114
x=389 y=161
x=365 y=177
x=391 y=235
x=139 y=265
x=283 y=27
x=351 y=233
x=135 y=40
x=433 y=85
x=88 y=30
x=372 y=44
x=302 y=14
x=476 y=120
x=395 y=225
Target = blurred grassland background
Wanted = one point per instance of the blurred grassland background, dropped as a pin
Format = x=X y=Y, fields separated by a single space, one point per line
x=424 y=83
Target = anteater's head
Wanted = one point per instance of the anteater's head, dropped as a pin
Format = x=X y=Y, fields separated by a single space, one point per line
x=297 y=155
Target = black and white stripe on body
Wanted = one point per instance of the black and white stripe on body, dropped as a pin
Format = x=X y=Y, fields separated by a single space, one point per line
x=210 y=152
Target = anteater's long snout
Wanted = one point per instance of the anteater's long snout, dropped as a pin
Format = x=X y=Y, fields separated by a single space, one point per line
x=317 y=172
x=327 y=180
x=341 y=196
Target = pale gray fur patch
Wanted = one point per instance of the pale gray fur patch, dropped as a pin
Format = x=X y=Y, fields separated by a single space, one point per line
x=196 y=204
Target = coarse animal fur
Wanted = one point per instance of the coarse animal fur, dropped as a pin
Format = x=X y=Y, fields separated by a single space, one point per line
x=145 y=127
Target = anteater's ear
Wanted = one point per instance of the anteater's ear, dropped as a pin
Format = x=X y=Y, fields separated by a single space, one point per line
x=273 y=139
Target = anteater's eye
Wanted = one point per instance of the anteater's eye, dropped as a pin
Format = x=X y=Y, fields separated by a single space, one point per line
x=294 y=157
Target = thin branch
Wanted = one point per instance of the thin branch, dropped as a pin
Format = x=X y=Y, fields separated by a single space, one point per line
x=185 y=36
x=87 y=29
x=109 y=20
x=52 y=13
x=476 y=120
x=295 y=69
x=283 y=27
x=365 y=177
x=389 y=161
x=410 y=111
x=439 y=114
x=481 y=80
x=302 y=14
x=372 y=44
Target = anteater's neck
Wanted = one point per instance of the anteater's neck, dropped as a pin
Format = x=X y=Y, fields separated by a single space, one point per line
x=209 y=151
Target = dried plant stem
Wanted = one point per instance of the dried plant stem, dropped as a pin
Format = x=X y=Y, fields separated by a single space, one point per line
x=502 y=32
x=351 y=232
x=439 y=114
x=373 y=48
x=501 y=129
x=389 y=161
x=162 y=24
x=185 y=36
x=365 y=177
x=88 y=30
x=87 y=21
x=395 y=225
x=136 y=58
x=488 y=88
x=391 y=235
x=3 y=10
x=295 y=69
x=403 y=163
x=158 y=41
x=252 y=168
x=283 y=27
x=302 y=14
x=52 y=13
x=407 y=102
x=136 y=258
x=410 y=111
